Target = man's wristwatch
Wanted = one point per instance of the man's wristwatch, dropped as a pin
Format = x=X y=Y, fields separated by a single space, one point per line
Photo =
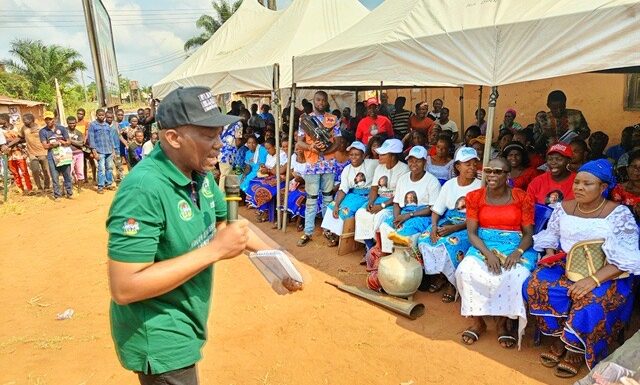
x=383 y=205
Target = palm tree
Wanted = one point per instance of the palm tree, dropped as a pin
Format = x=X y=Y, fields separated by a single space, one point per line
x=210 y=24
x=41 y=64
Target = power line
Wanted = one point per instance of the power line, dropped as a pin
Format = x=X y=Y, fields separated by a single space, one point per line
x=174 y=55
x=111 y=12
x=153 y=65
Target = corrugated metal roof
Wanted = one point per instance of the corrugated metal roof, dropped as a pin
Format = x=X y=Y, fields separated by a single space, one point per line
x=7 y=101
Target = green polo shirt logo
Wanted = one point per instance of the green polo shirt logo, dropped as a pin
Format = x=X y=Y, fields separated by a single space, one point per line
x=206 y=189
x=130 y=227
x=185 y=210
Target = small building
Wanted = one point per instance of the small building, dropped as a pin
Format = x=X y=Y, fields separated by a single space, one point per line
x=17 y=107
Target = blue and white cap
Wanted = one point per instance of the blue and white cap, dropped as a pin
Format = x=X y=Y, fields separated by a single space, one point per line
x=358 y=146
x=465 y=154
x=390 y=146
x=418 y=152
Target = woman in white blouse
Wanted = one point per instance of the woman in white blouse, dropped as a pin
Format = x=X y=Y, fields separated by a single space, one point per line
x=584 y=315
x=380 y=204
x=355 y=182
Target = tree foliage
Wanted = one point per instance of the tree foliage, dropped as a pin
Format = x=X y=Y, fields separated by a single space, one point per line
x=14 y=85
x=41 y=64
x=210 y=24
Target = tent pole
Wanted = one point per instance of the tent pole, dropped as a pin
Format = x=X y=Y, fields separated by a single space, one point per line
x=479 y=103
x=275 y=100
x=462 y=126
x=292 y=116
x=493 y=98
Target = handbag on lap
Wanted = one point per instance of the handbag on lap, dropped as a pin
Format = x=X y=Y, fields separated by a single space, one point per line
x=585 y=259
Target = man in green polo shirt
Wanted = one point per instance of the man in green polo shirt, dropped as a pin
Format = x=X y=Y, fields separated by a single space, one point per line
x=166 y=231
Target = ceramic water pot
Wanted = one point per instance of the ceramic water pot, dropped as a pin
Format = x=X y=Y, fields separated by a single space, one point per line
x=400 y=273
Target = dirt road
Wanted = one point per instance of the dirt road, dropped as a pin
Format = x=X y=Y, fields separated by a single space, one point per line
x=54 y=258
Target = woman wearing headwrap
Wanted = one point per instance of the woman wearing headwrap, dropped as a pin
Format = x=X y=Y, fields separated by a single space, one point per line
x=509 y=122
x=588 y=313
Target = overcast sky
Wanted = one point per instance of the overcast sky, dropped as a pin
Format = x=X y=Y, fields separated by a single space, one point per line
x=149 y=34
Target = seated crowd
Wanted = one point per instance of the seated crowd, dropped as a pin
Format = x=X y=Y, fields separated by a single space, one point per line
x=551 y=195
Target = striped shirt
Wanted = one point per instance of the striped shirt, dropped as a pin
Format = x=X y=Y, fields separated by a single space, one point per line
x=400 y=121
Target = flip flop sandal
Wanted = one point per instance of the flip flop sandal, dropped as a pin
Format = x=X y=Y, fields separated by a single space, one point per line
x=327 y=234
x=333 y=241
x=448 y=297
x=434 y=288
x=550 y=359
x=304 y=239
x=506 y=339
x=470 y=334
x=566 y=369
x=300 y=227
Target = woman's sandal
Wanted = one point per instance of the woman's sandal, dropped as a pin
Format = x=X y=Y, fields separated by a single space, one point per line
x=304 y=239
x=566 y=369
x=436 y=287
x=507 y=341
x=472 y=335
x=448 y=297
x=300 y=227
x=333 y=240
x=551 y=358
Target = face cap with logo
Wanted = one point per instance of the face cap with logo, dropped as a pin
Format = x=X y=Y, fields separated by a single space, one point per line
x=191 y=106
x=418 y=152
x=465 y=154
x=358 y=146
x=390 y=146
x=562 y=149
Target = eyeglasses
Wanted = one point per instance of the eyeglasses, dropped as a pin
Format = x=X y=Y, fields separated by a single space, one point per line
x=494 y=171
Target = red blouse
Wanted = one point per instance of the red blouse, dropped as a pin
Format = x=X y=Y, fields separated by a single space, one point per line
x=525 y=178
x=512 y=216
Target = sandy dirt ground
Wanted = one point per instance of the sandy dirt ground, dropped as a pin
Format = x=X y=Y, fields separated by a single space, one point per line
x=54 y=258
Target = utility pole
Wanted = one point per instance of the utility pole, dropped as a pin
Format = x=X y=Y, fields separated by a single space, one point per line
x=84 y=87
x=271 y=5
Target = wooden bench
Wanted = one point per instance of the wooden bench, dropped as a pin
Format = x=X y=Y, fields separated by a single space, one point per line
x=347 y=244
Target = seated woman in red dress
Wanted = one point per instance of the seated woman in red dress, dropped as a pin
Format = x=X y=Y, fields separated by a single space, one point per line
x=521 y=171
x=490 y=277
x=555 y=185
x=628 y=193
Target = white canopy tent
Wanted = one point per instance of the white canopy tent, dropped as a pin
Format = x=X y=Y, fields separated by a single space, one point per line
x=303 y=25
x=414 y=42
x=246 y=26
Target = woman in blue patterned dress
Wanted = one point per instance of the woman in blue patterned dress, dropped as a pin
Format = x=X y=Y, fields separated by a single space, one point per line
x=444 y=247
x=586 y=315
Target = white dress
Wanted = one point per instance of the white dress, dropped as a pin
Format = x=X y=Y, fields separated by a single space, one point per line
x=618 y=229
x=486 y=294
x=351 y=177
x=387 y=179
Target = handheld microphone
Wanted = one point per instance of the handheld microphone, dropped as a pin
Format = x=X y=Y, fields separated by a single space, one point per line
x=232 y=192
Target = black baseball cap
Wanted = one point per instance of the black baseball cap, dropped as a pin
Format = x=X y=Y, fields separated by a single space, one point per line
x=191 y=106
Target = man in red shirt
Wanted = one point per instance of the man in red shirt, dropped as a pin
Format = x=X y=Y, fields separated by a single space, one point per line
x=555 y=185
x=373 y=124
